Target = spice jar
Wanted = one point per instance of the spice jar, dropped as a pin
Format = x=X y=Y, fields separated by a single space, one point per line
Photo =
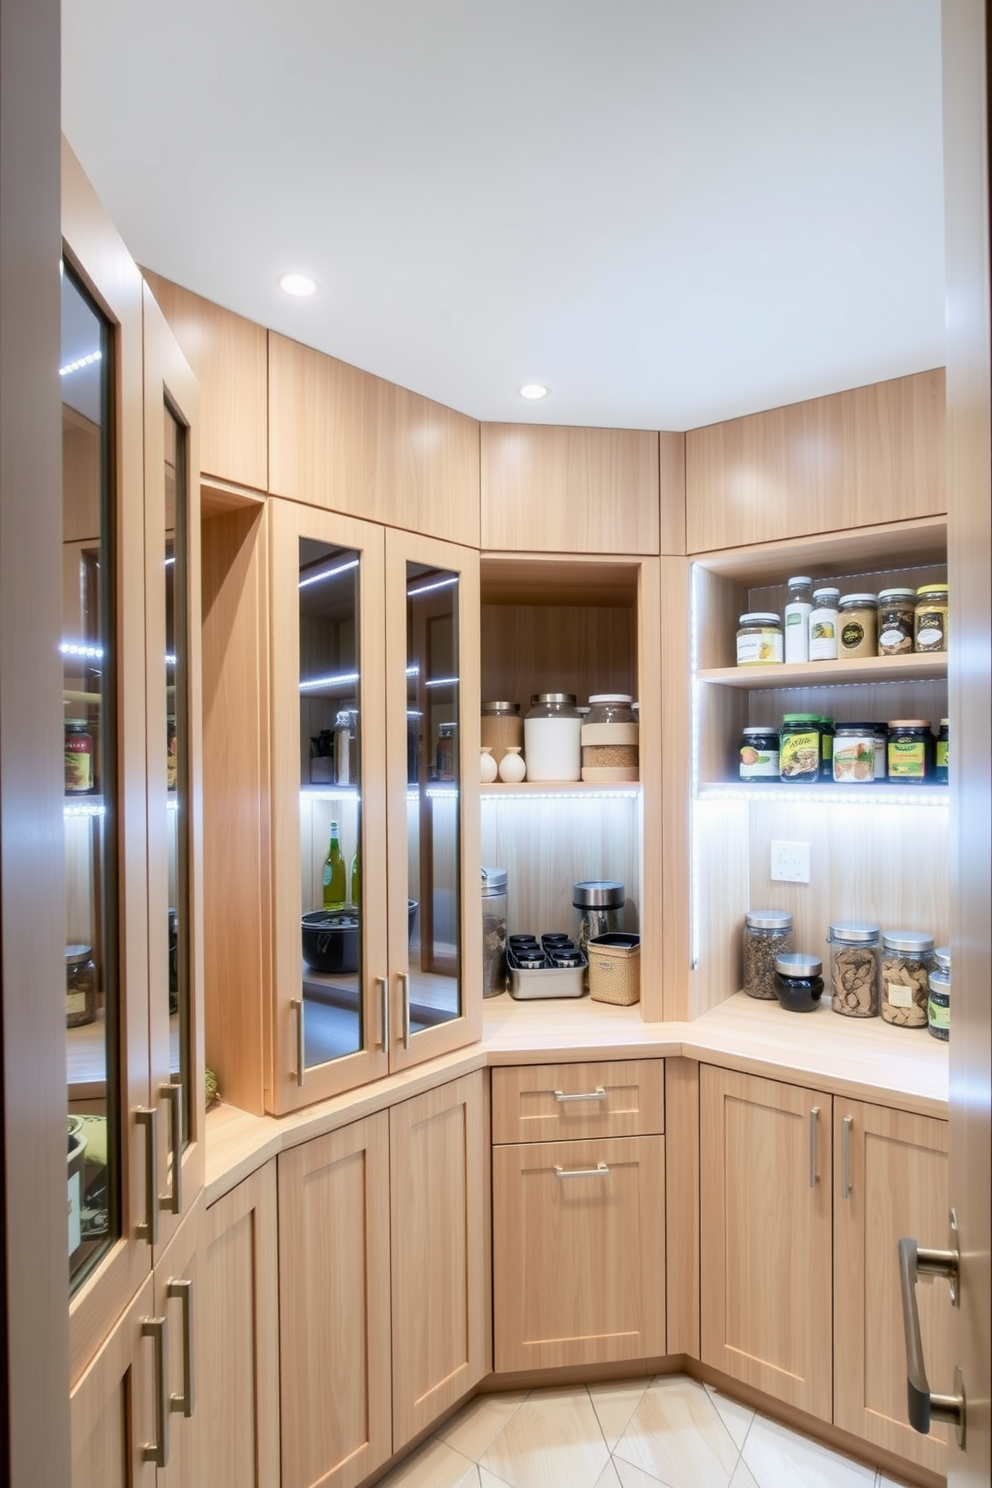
x=939 y=1000
x=854 y=967
x=797 y=609
x=609 y=738
x=858 y=622
x=759 y=754
x=759 y=639
x=80 y=986
x=553 y=737
x=930 y=621
x=906 y=961
x=854 y=754
x=823 y=624
x=940 y=754
x=910 y=751
x=493 y=931
x=600 y=904
x=78 y=757
x=896 y=619
x=502 y=728
x=799 y=749
x=767 y=934
x=799 y=981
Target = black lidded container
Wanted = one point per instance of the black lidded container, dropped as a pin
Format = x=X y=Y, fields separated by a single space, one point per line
x=799 y=981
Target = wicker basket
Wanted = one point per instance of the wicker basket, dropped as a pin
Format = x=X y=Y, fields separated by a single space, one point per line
x=615 y=968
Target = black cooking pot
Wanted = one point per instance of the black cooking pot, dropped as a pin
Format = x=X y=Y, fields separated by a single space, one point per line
x=331 y=938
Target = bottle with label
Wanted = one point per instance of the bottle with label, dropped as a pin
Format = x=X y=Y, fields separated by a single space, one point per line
x=344 y=749
x=823 y=625
x=797 y=612
x=930 y=618
x=335 y=873
x=78 y=757
x=356 y=878
x=941 y=759
x=759 y=639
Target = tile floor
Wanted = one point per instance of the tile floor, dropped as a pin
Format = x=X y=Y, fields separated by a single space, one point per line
x=643 y=1433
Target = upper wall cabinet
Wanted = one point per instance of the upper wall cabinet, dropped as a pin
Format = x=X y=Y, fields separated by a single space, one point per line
x=343 y=439
x=854 y=459
x=228 y=357
x=548 y=489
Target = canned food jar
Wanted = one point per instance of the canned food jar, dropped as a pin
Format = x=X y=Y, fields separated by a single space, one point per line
x=940 y=753
x=80 y=986
x=760 y=639
x=759 y=754
x=799 y=749
x=910 y=759
x=854 y=754
x=858 y=625
x=906 y=960
x=930 y=623
x=939 y=1001
x=799 y=981
x=78 y=757
x=855 y=960
x=553 y=737
x=823 y=625
x=767 y=934
x=896 y=621
x=502 y=728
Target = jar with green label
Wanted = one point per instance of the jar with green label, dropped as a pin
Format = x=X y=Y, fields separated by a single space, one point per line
x=799 y=749
x=759 y=754
x=940 y=754
x=939 y=1001
x=910 y=756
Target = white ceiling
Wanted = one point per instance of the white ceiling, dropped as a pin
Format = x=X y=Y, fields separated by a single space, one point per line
x=669 y=211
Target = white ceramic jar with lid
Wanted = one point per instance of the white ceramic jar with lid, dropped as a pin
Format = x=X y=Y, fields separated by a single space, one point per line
x=553 y=737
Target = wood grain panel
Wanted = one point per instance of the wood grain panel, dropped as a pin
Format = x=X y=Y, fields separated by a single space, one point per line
x=577 y=1259
x=241 y=1323
x=682 y=1205
x=557 y=648
x=597 y=488
x=671 y=451
x=438 y=1178
x=111 y=1406
x=334 y=1306
x=343 y=439
x=898 y=1186
x=721 y=865
x=184 y=1261
x=229 y=358
x=874 y=454
x=766 y=1306
x=652 y=661
x=676 y=793
x=525 y=1107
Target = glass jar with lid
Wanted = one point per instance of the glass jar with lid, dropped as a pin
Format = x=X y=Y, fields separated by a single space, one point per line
x=447 y=750
x=858 y=625
x=800 y=749
x=827 y=733
x=798 y=981
x=797 y=609
x=854 y=754
x=939 y=1000
x=759 y=753
x=494 y=902
x=78 y=757
x=760 y=640
x=600 y=903
x=767 y=934
x=823 y=624
x=855 y=959
x=907 y=957
x=553 y=737
x=609 y=738
x=502 y=728
x=896 y=621
x=941 y=753
x=930 y=620
x=910 y=751
x=80 y=986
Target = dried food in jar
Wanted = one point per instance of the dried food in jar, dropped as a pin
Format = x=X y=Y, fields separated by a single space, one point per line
x=759 y=640
x=896 y=619
x=858 y=621
x=930 y=624
x=854 y=754
x=767 y=934
x=502 y=728
x=906 y=959
x=854 y=963
x=799 y=749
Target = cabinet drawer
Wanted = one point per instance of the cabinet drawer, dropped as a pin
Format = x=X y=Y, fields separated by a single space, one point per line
x=563 y=1102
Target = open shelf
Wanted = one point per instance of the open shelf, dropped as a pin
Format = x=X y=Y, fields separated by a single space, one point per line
x=916 y=667
x=623 y=789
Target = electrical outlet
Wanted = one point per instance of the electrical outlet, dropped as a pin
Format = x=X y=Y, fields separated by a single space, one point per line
x=790 y=862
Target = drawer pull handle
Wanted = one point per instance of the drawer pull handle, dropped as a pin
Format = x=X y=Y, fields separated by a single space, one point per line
x=383 y=985
x=182 y=1291
x=599 y=1171
x=147 y=1116
x=157 y=1451
x=598 y=1094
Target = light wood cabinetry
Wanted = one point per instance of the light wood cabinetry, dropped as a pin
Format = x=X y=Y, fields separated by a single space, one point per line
x=343 y=439
x=180 y=1297
x=240 y=1324
x=112 y=1412
x=854 y=459
x=565 y=1102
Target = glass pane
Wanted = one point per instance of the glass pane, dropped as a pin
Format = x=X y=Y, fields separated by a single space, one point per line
x=330 y=801
x=88 y=607
x=432 y=809
x=176 y=743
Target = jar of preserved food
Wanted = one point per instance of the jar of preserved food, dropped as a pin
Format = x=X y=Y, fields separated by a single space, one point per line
x=502 y=728
x=767 y=934
x=855 y=959
x=553 y=737
x=881 y=751
x=940 y=754
x=600 y=903
x=823 y=625
x=447 y=751
x=799 y=749
x=906 y=960
x=827 y=733
x=854 y=754
x=80 y=986
x=930 y=622
x=896 y=619
x=172 y=753
x=609 y=738
x=759 y=754
x=939 y=1000
x=858 y=622
x=797 y=609
x=759 y=639
x=910 y=757
x=799 y=981
x=78 y=757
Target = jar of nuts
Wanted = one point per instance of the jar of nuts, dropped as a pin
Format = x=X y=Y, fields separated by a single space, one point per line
x=906 y=960
x=767 y=934
x=854 y=963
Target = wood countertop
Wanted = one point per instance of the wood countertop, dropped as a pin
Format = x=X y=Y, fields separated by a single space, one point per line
x=861 y=1059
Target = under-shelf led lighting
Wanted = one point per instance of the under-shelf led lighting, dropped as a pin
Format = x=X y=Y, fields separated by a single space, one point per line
x=81 y=649
x=694 y=928
x=328 y=573
x=339 y=793
x=443 y=682
x=80 y=363
x=434 y=793
x=606 y=793
x=344 y=679
x=429 y=588
x=300 y=286
x=533 y=390
x=79 y=809
x=825 y=795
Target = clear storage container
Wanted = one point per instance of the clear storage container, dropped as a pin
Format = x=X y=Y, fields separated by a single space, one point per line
x=610 y=738
x=553 y=737
x=855 y=952
x=494 y=904
x=906 y=960
x=767 y=934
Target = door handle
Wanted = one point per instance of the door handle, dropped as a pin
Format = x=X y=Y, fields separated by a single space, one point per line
x=182 y=1291
x=923 y=1406
x=172 y=1202
x=383 y=984
x=814 y=1117
x=297 y=1005
x=147 y=1116
x=405 y=984
x=845 y=1157
x=157 y=1451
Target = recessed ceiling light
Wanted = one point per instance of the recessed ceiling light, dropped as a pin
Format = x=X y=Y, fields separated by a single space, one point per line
x=298 y=285
x=533 y=390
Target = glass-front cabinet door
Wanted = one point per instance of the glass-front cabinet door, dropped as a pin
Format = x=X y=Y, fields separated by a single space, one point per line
x=330 y=970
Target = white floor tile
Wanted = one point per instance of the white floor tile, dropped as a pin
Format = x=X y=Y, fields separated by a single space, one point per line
x=743 y=1477
x=552 y=1440
x=779 y=1458
x=736 y=1417
x=434 y=1465
x=488 y=1479
x=634 y=1477
x=609 y=1478
x=475 y=1426
x=676 y=1435
x=614 y=1405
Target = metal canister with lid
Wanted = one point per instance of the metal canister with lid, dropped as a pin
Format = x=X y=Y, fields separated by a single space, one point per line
x=799 y=981
x=939 y=1000
x=494 y=903
x=599 y=902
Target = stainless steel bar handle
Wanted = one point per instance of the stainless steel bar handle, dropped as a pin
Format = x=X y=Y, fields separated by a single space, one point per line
x=598 y=1094
x=599 y=1171
x=147 y=1116
x=182 y=1290
x=172 y=1202
x=845 y=1157
x=383 y=984
x=922 y=1405
x=405 y=984
x=301 y=1063
x=157 y=1451
x=814 y=1117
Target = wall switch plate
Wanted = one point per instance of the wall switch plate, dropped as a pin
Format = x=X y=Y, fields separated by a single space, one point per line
x=790 y=862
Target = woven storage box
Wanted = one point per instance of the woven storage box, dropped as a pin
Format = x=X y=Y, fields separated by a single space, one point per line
x=615 y=968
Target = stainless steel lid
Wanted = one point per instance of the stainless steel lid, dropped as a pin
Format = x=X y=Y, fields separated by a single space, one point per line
x=75 y=954
x=910 y=941
x=768 y=919
x=598 y=893
x=798 y=964
x=942 y=957
x=552 y=697
x=611 y=697
x=493 y=882
x=500 y=707
x=854 y=932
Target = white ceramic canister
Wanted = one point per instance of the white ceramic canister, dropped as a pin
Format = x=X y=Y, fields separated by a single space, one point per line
x=553 y=737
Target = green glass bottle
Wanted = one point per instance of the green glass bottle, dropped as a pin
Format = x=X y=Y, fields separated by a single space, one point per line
x=356 y=877
x=335 y=873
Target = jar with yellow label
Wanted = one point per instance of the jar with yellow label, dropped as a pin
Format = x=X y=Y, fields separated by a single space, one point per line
x=910 y=751
x=799 y=749
x=930 y=625
x=760 y=640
